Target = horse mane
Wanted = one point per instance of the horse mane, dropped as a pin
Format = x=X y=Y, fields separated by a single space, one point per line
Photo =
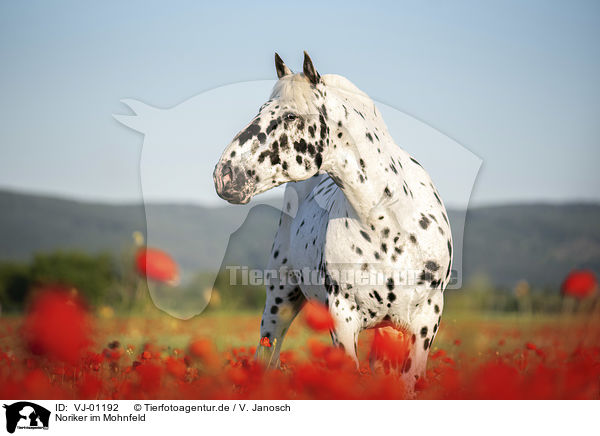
x=339 y=84
x=297 y=89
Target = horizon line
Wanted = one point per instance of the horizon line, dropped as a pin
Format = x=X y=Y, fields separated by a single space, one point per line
x=11 y=190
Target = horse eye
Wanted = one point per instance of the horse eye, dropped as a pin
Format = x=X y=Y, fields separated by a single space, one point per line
x=290 y=117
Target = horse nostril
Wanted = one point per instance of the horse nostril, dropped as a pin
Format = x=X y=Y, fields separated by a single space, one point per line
x=226 y=175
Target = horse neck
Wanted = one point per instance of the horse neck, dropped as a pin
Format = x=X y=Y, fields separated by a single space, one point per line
x=361 y=161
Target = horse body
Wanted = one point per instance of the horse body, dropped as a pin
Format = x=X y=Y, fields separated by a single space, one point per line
x=370 y=238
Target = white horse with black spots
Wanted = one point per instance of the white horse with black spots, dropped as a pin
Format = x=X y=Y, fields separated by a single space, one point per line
x=371 y=237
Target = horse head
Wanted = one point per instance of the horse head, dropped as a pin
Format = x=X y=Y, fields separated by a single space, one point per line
x=285 y=141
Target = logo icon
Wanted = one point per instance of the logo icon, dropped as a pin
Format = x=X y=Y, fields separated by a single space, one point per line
x=26 y=415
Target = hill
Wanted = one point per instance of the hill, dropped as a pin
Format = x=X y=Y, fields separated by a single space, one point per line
x=537 y=242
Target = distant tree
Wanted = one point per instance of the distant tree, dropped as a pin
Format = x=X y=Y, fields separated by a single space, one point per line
x=92 y=275
x=15 y=282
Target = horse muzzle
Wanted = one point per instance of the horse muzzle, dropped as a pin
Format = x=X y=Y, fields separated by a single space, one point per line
x=231 y=184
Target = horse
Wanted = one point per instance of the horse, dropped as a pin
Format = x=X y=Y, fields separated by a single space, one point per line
x=370 y=237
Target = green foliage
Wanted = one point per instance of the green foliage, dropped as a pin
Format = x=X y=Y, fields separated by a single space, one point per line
x=238 y=296
x=479 y=296
x=15 y=282
x=106 y=280
x=94 y=276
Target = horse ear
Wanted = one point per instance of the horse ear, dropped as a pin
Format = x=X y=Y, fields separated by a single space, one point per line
x=282 y=69
x=309 y=70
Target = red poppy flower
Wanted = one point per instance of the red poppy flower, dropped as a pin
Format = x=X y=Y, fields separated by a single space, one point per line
x=176 y=367
x=204 y=350
x=336 y=358
x=317 y=316
x=391 y=345
x=57 y=325
x=35 y=384
x=317 y=348
x=157 y=265
x=437 y=354
x=496 y=380
x=265 y=342
x=90 y=387
x=238 y=375
x=201 y=347
x=150 y=376
x=579 y=284
x=420 y=384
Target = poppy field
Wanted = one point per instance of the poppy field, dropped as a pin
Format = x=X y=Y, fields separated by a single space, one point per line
x=61 y=349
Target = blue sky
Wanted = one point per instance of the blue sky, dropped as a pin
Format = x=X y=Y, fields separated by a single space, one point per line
x=515 y=83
